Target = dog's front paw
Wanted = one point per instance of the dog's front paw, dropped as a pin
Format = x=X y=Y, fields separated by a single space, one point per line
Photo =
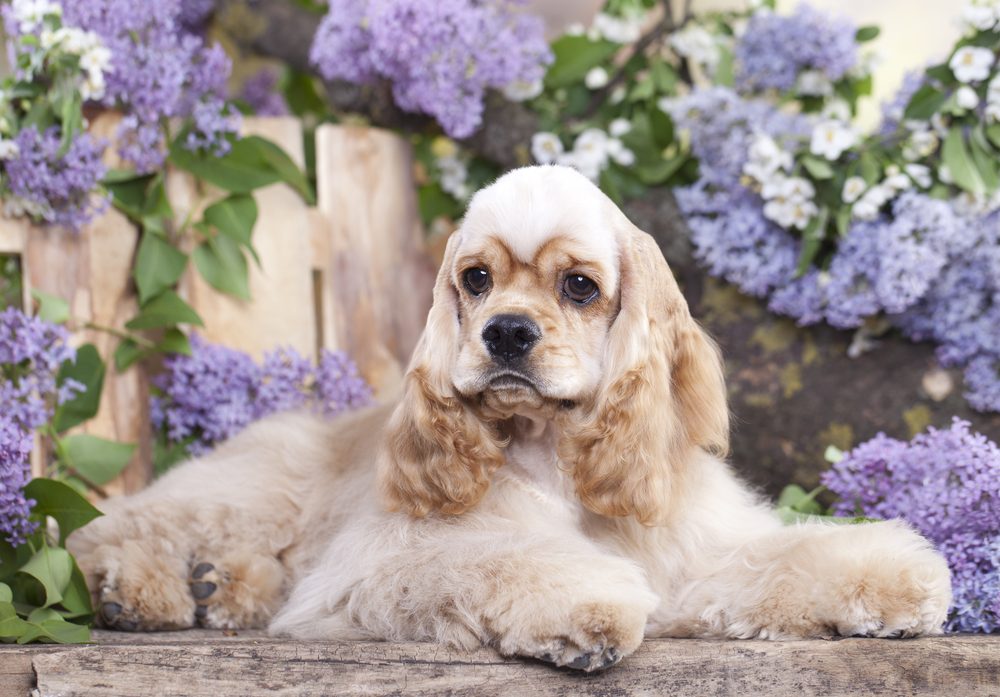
x=888 y=582
x=587 y=636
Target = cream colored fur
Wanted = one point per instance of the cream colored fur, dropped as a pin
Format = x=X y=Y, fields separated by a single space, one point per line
x=472 y=515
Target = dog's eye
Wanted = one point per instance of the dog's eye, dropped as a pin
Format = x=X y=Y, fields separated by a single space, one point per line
x=579 y=289
x=477 y=280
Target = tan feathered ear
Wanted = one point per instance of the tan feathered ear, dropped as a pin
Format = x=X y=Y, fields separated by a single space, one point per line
x=663 y=395
x=436 y=455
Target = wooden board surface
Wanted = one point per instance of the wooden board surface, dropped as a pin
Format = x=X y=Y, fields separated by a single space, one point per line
x=207 y=663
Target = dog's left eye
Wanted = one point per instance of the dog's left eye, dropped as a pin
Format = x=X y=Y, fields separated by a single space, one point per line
x=579 y=289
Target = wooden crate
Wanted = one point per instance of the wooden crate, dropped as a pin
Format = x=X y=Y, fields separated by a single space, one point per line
x=352 y=273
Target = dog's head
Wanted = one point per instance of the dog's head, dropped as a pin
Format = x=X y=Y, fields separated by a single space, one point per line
x=551 y=304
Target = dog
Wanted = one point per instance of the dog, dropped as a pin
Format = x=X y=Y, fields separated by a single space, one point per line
x=551 y=481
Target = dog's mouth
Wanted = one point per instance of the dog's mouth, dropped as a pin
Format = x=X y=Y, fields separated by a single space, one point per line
x=511 y=381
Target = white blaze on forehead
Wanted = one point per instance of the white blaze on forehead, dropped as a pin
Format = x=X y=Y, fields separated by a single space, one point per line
x=527 y=207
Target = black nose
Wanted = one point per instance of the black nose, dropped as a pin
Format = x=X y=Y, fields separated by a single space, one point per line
x=509 y=337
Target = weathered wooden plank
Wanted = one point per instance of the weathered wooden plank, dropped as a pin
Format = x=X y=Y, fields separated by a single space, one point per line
x=281 y=310
x=205 y=663
x=378 y=277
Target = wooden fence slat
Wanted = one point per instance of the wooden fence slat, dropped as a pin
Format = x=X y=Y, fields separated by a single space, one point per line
x=281 y=309
x=377 y=281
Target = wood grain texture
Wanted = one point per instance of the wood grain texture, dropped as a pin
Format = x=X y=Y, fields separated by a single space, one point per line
x=377 y=278
x=205 y=663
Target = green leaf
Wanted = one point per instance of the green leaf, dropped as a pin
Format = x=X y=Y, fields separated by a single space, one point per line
x=158 y=266
x=664 y=76
x=724 y=72
x=869 y=168
x=843 y=221
x=240 y=171
x=5 y=593
x=659 y=173
x=76 y=597
x=941 y=73
x=88 y=369
x=985 y=158
x=819 y=169
x=12 y=627
x=796 y=498
x=127 y=353
x=49 y=626
x=574 y=57
x=234 y=217
x=96 y=459
x=434 y=202
x=59 y=501
x=174 y=341
x=864 y=34
x=129 y=195
x=993 y=133
x=955 y=155
x=283 y=166
x=51 y=308
x=221 y=262
x=812 y=240
x=165 y=310
x=662 y=127
x=924 y=103
x=52 y=567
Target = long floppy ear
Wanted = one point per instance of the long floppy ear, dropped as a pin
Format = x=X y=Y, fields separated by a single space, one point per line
x=436 y=455
x=663 y=395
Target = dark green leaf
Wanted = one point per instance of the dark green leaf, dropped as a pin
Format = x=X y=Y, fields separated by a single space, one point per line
x=282 y=164
x=76 y=597
x=127 y=353
x=924 y=103
x=234 y=217
x=724 y=73
x=866 y=33
x=129 y=195
x=242 y=170
x=985 y=158
x=662 y=127
x=812 y=240
x=158 y=266
x=165 y=310
x=57 y=500
x=51 y=308
x=12 y=627
x=436 y=203
x=659 y=173
x=869 y=168
x=52 y=567
x=941 y=73
x=88 y=369
x=97 y=460
x=49 y=626
x=993 y=133
x=574 y=57
x=5 y=595
x=221 y=262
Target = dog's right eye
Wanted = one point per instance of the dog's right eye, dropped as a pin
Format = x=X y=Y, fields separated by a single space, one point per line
x=477 y=280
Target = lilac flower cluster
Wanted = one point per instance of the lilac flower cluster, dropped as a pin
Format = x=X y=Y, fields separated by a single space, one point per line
x=31 y=352
x=946 y=483
x=440 y=57
x=934 y=272
x=52 y=185
x=261 y=94
x=159 y=71
x=217 y=391
x=776 y=49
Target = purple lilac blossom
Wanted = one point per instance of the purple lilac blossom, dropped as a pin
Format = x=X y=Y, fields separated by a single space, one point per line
x=159 y=71
x=774 y=49
x=56 y=187
x=260 y=92
x=440 y=57
x=31 y=352
x=946 y=483
x=216 y=392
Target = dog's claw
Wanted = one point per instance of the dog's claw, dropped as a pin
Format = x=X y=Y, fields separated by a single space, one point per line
x=580 y=662
x=110 y=611
x=126 y=625
x=202 y=569
x=202 y=589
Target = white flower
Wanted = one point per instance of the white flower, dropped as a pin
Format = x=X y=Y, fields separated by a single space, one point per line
x=993 y=89
x=921 y=174
x=853 y=188
x=790 y=213
x=698 y=44
x=591 y=146
x=765 y=157
x=619 y=127
x=868 y=206
x=980 y=14
x=30 y=13
x=797 y=188
x=587 y=168
x=971 y=63
x=454 y=176
x=966 y=97
x=836 y=110
x=596 y=78
x=813 y=83
x=619 y=153
x=866 y=66
x=898 y=182
x=93 y=86
x=546 y=147
x=575 y=29
x=617 y=95
x=773 y=186
x=944 y=174
x=622 y=30
x=831 y=138
x=8 y=149
x=522 y=90
x=921 y=144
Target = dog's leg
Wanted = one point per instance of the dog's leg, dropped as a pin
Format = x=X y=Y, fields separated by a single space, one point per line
x=557 y=600
x=155 y=564
x=815 y=580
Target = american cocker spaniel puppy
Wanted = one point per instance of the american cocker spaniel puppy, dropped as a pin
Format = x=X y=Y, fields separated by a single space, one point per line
x=550 y=482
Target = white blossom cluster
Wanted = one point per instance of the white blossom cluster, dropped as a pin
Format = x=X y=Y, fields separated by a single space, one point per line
x=698 y=45
x=788 y=200
x=453 y=171
x=592 y=150
x=868 y=200
x=982 y=15
x=55 y=40
x=831 y=137
x=619 y=30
